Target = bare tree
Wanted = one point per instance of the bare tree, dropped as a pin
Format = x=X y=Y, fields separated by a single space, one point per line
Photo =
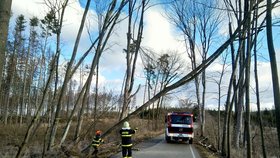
x=109 y=21
x=132 y=49
x=149 y=70
x=5 y=13
x=257 y=81
x=209 y=21
x=185 y=79
x=184 y=16
x=273 y=65
x=56 y=26
x=193 y=19
x=218 y=81
x=16 y=50
x=169 y=68
x=32 y=42
x=59 y=9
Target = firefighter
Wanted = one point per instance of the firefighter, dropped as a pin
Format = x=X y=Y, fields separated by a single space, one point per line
x=96 y=142
x=126 y=133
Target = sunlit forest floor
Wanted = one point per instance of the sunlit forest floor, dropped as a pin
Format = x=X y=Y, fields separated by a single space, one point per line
x=11 y=137
x=210 y=149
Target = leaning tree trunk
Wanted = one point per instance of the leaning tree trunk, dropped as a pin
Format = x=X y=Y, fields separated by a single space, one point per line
x=185 y=79
x=68 y=70
x=225 y=136
x=110 y=21
x=35 y=119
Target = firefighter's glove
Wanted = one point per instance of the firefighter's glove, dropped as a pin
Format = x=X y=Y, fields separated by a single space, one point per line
x=136 y=129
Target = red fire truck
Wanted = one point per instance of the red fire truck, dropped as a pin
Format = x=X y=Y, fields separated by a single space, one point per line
x=179 y=127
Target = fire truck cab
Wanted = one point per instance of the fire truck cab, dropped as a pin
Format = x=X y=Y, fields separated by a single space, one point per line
x=179 y=127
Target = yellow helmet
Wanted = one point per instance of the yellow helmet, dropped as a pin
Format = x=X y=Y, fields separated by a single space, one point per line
x=126 y=125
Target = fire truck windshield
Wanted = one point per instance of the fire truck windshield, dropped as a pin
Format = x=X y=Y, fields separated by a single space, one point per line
x=181 y=119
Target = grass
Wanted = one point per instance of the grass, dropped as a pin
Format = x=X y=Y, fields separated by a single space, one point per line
x=270 y=136
x=11 y=137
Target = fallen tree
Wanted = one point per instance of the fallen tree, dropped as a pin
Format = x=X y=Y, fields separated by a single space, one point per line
x=187 y=78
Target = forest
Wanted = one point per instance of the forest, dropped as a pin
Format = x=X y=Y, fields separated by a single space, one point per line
x=52 y=100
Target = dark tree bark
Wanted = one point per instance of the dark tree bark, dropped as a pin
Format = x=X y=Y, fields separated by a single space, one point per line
x=273 y=65
x=248 y=26
x=109 y=22
x=17 y=49
x=5 y=13
x=132 y=50
x=187 y=78
x=63 y=89
x=257 y=84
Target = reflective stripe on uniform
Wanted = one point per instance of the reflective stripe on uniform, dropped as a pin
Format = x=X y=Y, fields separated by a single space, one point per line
x=127 y=145
x=96 y=141
x=127 y=135
x=97 y=145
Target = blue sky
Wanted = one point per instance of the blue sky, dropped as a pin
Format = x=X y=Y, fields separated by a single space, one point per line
x=159 y=35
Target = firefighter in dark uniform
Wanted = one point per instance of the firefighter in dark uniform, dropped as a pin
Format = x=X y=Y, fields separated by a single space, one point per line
x=96 y=142
x=126 y=133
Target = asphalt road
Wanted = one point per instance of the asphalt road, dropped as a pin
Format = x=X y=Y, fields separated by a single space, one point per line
x=158 y=148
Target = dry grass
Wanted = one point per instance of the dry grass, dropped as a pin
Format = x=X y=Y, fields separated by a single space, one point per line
x=11 y=136
x=270 y=137
x=204 y=152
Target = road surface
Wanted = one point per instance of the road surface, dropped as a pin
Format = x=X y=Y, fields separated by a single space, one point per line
x=158 y=148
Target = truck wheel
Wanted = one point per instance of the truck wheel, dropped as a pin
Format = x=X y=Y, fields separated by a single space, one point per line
x=168 y=139
x=190 y=141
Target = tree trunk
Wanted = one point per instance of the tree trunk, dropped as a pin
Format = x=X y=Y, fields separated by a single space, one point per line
x=185 y=79
x=248 y=7
x=225 y=137
x=84 y=101
x=257 y=91
x=68 y=70
x=132 y=49
x=13 y=62
x=108 y=25
x=70 y=119
x=5 y=13
x=219 y=103
x=273 y=66
x=96 y=97
x=203 y=80
x=129 y=57
x=34 y=121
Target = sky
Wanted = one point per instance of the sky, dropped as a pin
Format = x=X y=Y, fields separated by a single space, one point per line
x=159 y=35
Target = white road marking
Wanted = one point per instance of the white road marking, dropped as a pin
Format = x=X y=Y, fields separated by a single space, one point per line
x=192 y=151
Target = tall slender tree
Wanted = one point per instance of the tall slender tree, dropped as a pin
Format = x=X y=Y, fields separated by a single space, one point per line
x=17 y=48
x=198 y=23
x=273 y=65
x=132 y=50
x=5 y=13
x=31 y=45
x=257 y=80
